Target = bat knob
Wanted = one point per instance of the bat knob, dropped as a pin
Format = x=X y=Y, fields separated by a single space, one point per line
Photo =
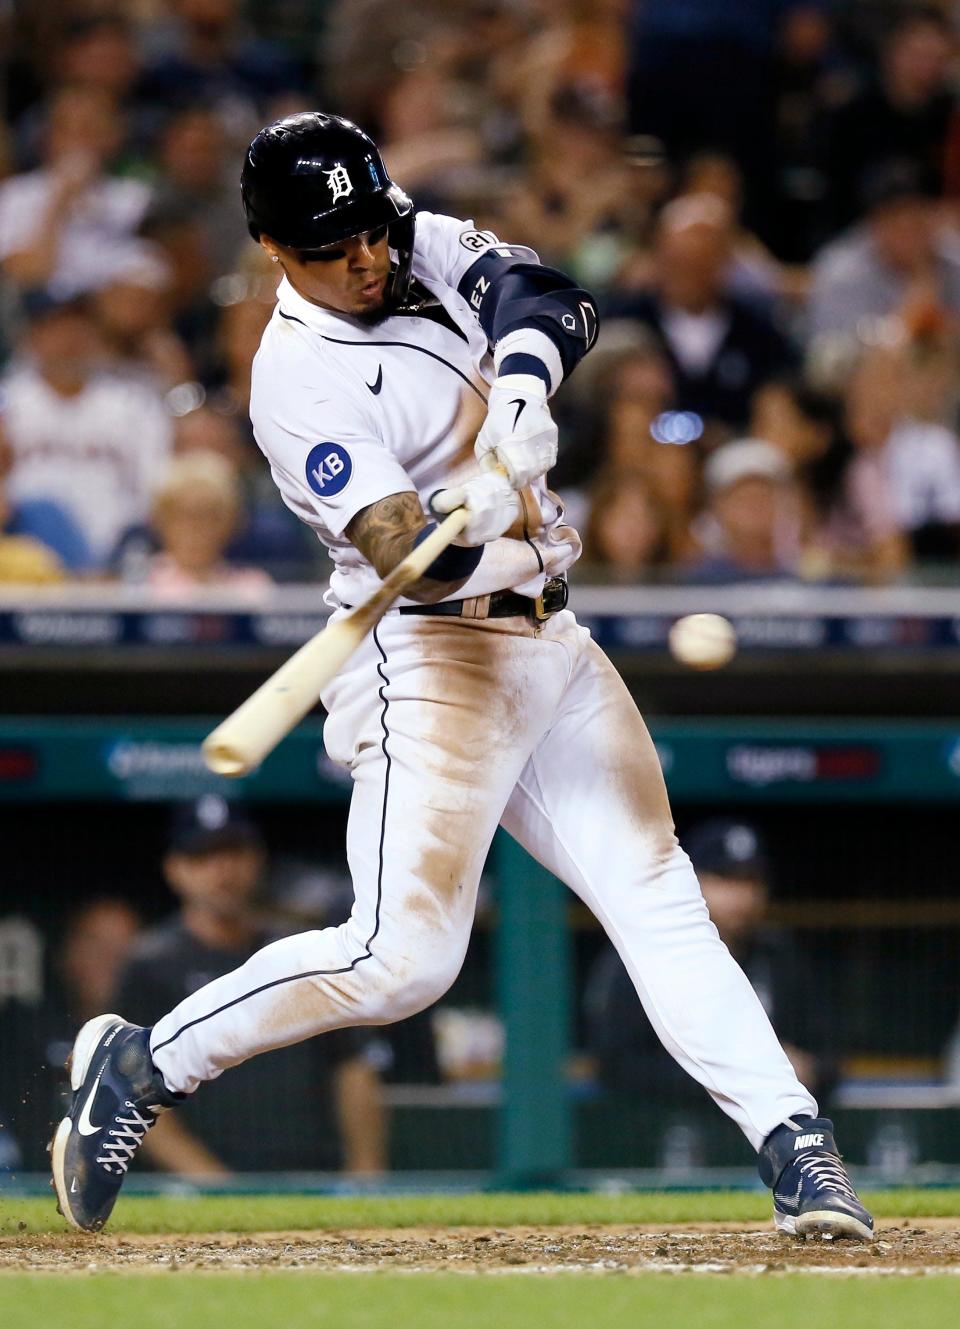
x=223 y=759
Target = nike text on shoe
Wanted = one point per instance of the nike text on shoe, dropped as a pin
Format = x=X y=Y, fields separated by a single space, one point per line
x=812 y=1193
x=117 y=1095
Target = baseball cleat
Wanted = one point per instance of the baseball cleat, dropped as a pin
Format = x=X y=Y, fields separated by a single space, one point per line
x=812 y=1194
x=117 y=1096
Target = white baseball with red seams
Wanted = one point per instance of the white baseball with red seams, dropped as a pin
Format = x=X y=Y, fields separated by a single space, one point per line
x=451 y=726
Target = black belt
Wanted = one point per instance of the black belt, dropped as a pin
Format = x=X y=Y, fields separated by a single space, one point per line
x=504 y=604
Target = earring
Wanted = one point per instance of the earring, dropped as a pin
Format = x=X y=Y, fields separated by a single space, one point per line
x=275 y=258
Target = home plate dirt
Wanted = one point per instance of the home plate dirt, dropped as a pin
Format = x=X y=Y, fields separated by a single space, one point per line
x=902 y=1247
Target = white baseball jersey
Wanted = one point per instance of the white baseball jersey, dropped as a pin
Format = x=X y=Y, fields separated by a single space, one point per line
x=348 y=414
x=99 y=453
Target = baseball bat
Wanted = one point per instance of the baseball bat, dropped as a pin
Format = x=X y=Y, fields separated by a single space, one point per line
x=255 y=728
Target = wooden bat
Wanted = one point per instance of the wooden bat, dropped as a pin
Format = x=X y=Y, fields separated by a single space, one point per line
x=255 y=728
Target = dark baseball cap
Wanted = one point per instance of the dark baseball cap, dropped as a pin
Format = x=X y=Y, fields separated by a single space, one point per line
x=727 y=848
x=39 y=302
x=209 y=823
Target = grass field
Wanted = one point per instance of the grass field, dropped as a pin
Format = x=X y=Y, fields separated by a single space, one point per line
x=280 y=1213
x=449 y=1301
x=709 y=1261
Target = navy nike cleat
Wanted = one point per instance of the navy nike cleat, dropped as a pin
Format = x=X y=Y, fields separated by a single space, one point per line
x=117 y=1095
x=812 y=1194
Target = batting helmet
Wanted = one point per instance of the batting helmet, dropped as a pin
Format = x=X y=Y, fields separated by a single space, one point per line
x=311 y=180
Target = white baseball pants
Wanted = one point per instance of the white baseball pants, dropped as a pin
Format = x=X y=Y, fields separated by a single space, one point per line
x=449 y=727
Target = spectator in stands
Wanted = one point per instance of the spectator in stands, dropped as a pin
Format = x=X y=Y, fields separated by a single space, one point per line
x=39 y=540
x=132 y=314
x=196 y=178
x=195 y=513
x=267 y=533
x=245 y=301
x=901 y=492
x=735 y=875
x=430 y=137
x=586 y=230
x=315 y=1105
x=899 y=259
x=36 y=1039
x=618 y=420
x=806 y=424
x=627 y=536
x=904 y=111
x=813 y=74
x=211 y=56
x=720 y=349
x=682 y=54
x=87 y=440
x=750 y=529
x=96 y=51
x=179 y=233
x=754 y=272
x=66 y=226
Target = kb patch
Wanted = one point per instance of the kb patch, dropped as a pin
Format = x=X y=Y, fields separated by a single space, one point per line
x=329 y=469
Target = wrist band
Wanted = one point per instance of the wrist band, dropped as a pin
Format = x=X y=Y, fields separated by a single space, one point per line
x=455 y=563
x=519 y=362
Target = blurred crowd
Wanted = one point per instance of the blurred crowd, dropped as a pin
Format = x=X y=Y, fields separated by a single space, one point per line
x=763 y=194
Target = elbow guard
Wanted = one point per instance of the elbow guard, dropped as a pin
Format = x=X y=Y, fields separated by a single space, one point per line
x=509 y=295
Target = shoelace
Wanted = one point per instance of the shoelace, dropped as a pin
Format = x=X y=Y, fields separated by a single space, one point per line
x=124 y=1138
x=827 y=1171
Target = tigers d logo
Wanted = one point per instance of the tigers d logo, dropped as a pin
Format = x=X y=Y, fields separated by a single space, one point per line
x=339 y=182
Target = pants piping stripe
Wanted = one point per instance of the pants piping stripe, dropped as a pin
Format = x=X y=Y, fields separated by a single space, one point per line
x=368 y=952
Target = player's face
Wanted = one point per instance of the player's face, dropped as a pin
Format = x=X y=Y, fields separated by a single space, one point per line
x=349 y=277
x=220 y=880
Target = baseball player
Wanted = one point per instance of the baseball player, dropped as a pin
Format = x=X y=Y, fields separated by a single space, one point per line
x=476 y=702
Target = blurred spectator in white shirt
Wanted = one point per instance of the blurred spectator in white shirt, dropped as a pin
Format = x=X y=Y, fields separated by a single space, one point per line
x=68 y=225
x=39 y=539
x=901 y=493
x=132 y=312
x=900 y=255
x=88 y=440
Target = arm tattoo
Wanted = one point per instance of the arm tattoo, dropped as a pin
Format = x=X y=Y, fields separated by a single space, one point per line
x=385 y=531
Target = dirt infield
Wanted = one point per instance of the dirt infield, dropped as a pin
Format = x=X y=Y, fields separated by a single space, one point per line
x=902 y=1247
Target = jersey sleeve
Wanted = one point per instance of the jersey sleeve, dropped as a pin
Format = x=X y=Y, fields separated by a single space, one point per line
x=449 y=248
x=324 y=449
x=536 y=319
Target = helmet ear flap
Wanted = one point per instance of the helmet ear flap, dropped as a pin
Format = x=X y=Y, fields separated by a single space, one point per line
x=401 y=236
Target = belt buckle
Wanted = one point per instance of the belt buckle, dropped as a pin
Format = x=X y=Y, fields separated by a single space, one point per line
x=551 y=599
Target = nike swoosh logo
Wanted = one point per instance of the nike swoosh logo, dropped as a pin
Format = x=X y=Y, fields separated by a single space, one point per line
x=74 y=1187
x=85 y=1126
x=378 y=384
x=519 y=403
x=791 y=1200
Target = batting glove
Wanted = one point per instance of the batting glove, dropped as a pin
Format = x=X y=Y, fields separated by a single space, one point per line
x=493 y=506
x=519 y=430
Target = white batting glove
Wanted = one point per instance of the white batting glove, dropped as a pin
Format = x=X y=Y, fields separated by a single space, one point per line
x=559 y=550
x=519 y=430
x=493 y=506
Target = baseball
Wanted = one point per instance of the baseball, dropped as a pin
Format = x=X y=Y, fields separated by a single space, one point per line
x=703 y=641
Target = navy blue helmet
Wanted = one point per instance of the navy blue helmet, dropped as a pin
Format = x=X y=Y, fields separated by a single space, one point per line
x=311 y=180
